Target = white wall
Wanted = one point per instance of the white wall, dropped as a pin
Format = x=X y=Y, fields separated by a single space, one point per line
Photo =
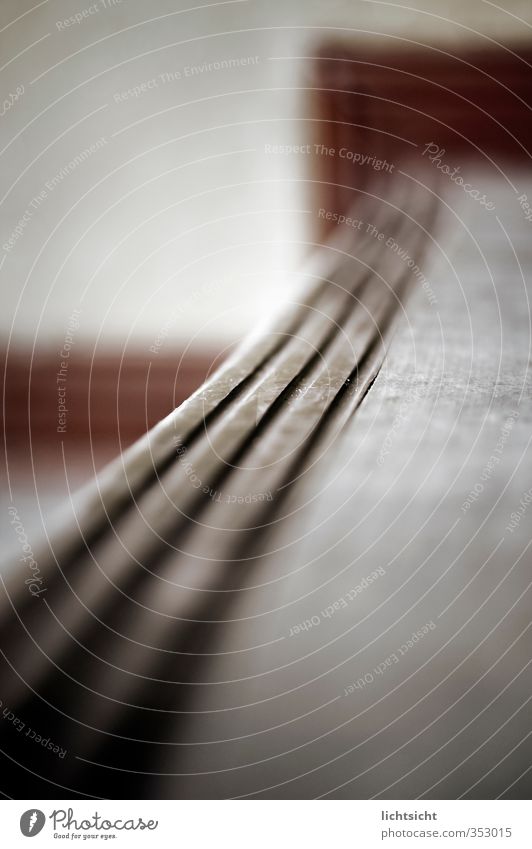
x=179 y=225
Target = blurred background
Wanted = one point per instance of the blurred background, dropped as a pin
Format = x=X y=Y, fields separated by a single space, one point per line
x=160 y=196
x=154 y=202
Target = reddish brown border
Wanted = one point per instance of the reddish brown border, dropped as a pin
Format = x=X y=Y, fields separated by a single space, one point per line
x=107 y=397
x=392 y=103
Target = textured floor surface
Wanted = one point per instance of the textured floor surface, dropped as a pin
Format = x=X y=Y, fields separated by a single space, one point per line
x=313 y=579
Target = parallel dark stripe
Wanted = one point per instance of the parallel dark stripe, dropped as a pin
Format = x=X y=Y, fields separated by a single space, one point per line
x=96 y=646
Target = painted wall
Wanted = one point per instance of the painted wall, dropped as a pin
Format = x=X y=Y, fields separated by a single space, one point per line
x=139 y=187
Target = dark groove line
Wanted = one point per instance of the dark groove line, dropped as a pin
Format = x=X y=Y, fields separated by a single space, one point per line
x=197 y=636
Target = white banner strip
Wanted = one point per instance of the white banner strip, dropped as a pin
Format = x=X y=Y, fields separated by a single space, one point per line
x=263 y=824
